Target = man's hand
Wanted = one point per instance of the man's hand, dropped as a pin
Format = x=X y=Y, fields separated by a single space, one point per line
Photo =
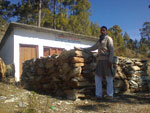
x=77 y=48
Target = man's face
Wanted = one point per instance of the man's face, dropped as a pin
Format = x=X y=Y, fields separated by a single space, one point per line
x=103 y=31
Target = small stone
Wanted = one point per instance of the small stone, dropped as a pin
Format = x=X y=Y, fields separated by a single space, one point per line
x=2 y=97
x=128 y=61
x=21 y=104
x=133 y=84
x=138 y=63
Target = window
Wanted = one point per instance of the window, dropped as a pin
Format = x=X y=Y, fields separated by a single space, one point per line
x=49 y=51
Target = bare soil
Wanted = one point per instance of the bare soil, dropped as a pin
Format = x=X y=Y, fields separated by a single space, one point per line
x=17 y=100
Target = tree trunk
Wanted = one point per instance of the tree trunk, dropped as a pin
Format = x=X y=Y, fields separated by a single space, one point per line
x=39 y=14
x=54 y=19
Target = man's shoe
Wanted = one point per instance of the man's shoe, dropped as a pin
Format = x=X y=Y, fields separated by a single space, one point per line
x=109 y=97
x=99 y=98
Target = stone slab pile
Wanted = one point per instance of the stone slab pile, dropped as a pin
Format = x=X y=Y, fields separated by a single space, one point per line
x=132 y=73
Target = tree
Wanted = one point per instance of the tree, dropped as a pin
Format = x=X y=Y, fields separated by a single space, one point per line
x=79 y=16
x=116 y=33
x=145 y=31
x=6 y=10
x=27 y=11
x=145 y=38
x=39 y=13
x=126 y=37
x=95 y=29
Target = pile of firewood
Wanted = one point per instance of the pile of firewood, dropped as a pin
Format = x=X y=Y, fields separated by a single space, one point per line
x=61 y=75
x=7 y=72
x=71 y=74
x=2 y=69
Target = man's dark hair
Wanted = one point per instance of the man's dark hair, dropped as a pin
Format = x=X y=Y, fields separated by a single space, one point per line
x=104 y=27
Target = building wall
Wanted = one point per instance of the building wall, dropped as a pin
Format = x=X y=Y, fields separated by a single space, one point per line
x=23 y=36
x=7 y=51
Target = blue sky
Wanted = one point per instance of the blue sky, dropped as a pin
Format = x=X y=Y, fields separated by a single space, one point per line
x=128 y=14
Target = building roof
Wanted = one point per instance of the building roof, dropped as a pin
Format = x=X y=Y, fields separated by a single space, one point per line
x=14 y=25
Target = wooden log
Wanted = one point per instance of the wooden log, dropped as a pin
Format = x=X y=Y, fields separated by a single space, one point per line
x=10 y=70
x=49 y=64
x=78 y=65
x=65 y=68
x=73 y=73
x=77 y=60
x=79 y=78
x=2 y=69
x=65 y=55
x=73 y=94
x=77 y=84
x=82 y=54
x=40 y=71
x=51 y=70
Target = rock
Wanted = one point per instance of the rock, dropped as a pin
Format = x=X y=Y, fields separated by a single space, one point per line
x=139 y=64
x=21 y=104
x=11 y=100
x=135 y=68
x=115 y=60
x=128 y=61
x=2 y=97
x=148 y=69
x=133 y=84
x=119 y=84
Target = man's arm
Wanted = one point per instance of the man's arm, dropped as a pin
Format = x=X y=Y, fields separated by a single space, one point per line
x=111 y=50
x=92 y=48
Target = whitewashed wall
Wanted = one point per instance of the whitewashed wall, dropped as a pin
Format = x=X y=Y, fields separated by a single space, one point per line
x=41 y=39
x=7 y=51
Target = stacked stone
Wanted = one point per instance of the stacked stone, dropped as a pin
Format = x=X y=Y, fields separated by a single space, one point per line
x=131 y=75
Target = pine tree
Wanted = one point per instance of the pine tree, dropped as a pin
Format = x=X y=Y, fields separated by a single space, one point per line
x=6 y=10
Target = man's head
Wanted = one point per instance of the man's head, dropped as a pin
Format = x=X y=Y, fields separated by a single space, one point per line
x=103 y=30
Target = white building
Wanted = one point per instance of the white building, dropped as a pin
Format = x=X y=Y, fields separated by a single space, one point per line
x=22 y=42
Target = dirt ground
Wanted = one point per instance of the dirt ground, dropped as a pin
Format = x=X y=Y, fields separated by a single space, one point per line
x=17 y=100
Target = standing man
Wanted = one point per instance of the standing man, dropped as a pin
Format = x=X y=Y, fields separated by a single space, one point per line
x=104 y=63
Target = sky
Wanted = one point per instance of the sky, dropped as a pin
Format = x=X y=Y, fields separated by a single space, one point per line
x=130 y=15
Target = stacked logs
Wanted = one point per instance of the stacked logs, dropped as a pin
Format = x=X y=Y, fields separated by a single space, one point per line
x=2 y=69
x=60 y=75
x=72 y=73
x=7 y=72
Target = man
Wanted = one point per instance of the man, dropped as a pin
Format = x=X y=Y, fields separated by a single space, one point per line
x=104 y=63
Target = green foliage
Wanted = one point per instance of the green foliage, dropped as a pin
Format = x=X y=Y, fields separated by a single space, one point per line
x=95 y=29
x=27 y=11
x=145 y=31
x=144 y=47
x=5 y=14
x=46 y=18
x=115 y=33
